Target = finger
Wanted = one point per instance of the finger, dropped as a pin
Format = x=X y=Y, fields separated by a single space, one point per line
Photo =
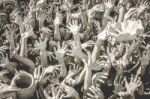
x=131 y=10
x=115 y=92
x=62 y=96
x=67 y=96
x=53 y=91
x=126 y=83
x=42 y=74
x=65 y=46
x=94 y=89
x=88 y=98
x=45 y=40
x=35 y=73
x=89 y=57
x=139 y=84
x=77 y=67
x=41 y=92
x=139 y=80
x=73 y=21
x=91 y=96
x=4 y=47
x=98 y=89
x=69 y=25
x=80 y=25
x=106 y=74
x=2 y=54
x=37 y=94
x=142 y=2
x=58 y=45
x=71 y=82
x=49 y=57
x=40 y=40
x=100 y=80
x=120 y=80
x=132 y=78
x=136 y=77
x=105 y=77
x=54 y=48
x=91 y=89
x=39 y=71
x=76 y=22
x=58 y=93
x=134 y=12
x=2 y=50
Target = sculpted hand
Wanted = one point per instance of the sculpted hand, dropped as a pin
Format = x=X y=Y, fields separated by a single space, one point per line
x=74 y=26
x=123 y=2
x=28 y=33
x=58 y=94
x=108 y=4
x=39 y=74
x=10 y=32
x=134 y=83
x=3 y=50
x=4 y=60
x=129 y=14
x=118 y=84
x=52 y=71
x=58 y=19
x=87 y=44
x=60 y=53
x=13 y=28
x=16 y=19
x=95 y=93
x=73 y=71
x=41 y=45
x=40 y=3
x=41 y=16
x=99 y=78
x=96 y=66
x=143 y=5
x=76 y=51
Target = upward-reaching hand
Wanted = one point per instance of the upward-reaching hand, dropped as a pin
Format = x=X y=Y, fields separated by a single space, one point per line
x=58 y=19
x=123 y=2
x=94 y=93
x=134 y=83
x=28 y=33
x=143 y=5
x=74 y=26
x=41 y=45
x=109 y=4
x=61 y=51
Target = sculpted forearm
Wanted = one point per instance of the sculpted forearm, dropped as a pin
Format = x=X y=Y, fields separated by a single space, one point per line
x=96 y=51
x=23 y=50
x=122 y=11
x=57 y=33
x=63 y=69
x=88 y=79
x=105 y=18
x=24 y=61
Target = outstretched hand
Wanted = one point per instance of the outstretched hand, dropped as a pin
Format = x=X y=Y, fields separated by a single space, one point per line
x=74 y=26
x=109 y=4
x=60 y=53
x=134 y=83
x=94 y=93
